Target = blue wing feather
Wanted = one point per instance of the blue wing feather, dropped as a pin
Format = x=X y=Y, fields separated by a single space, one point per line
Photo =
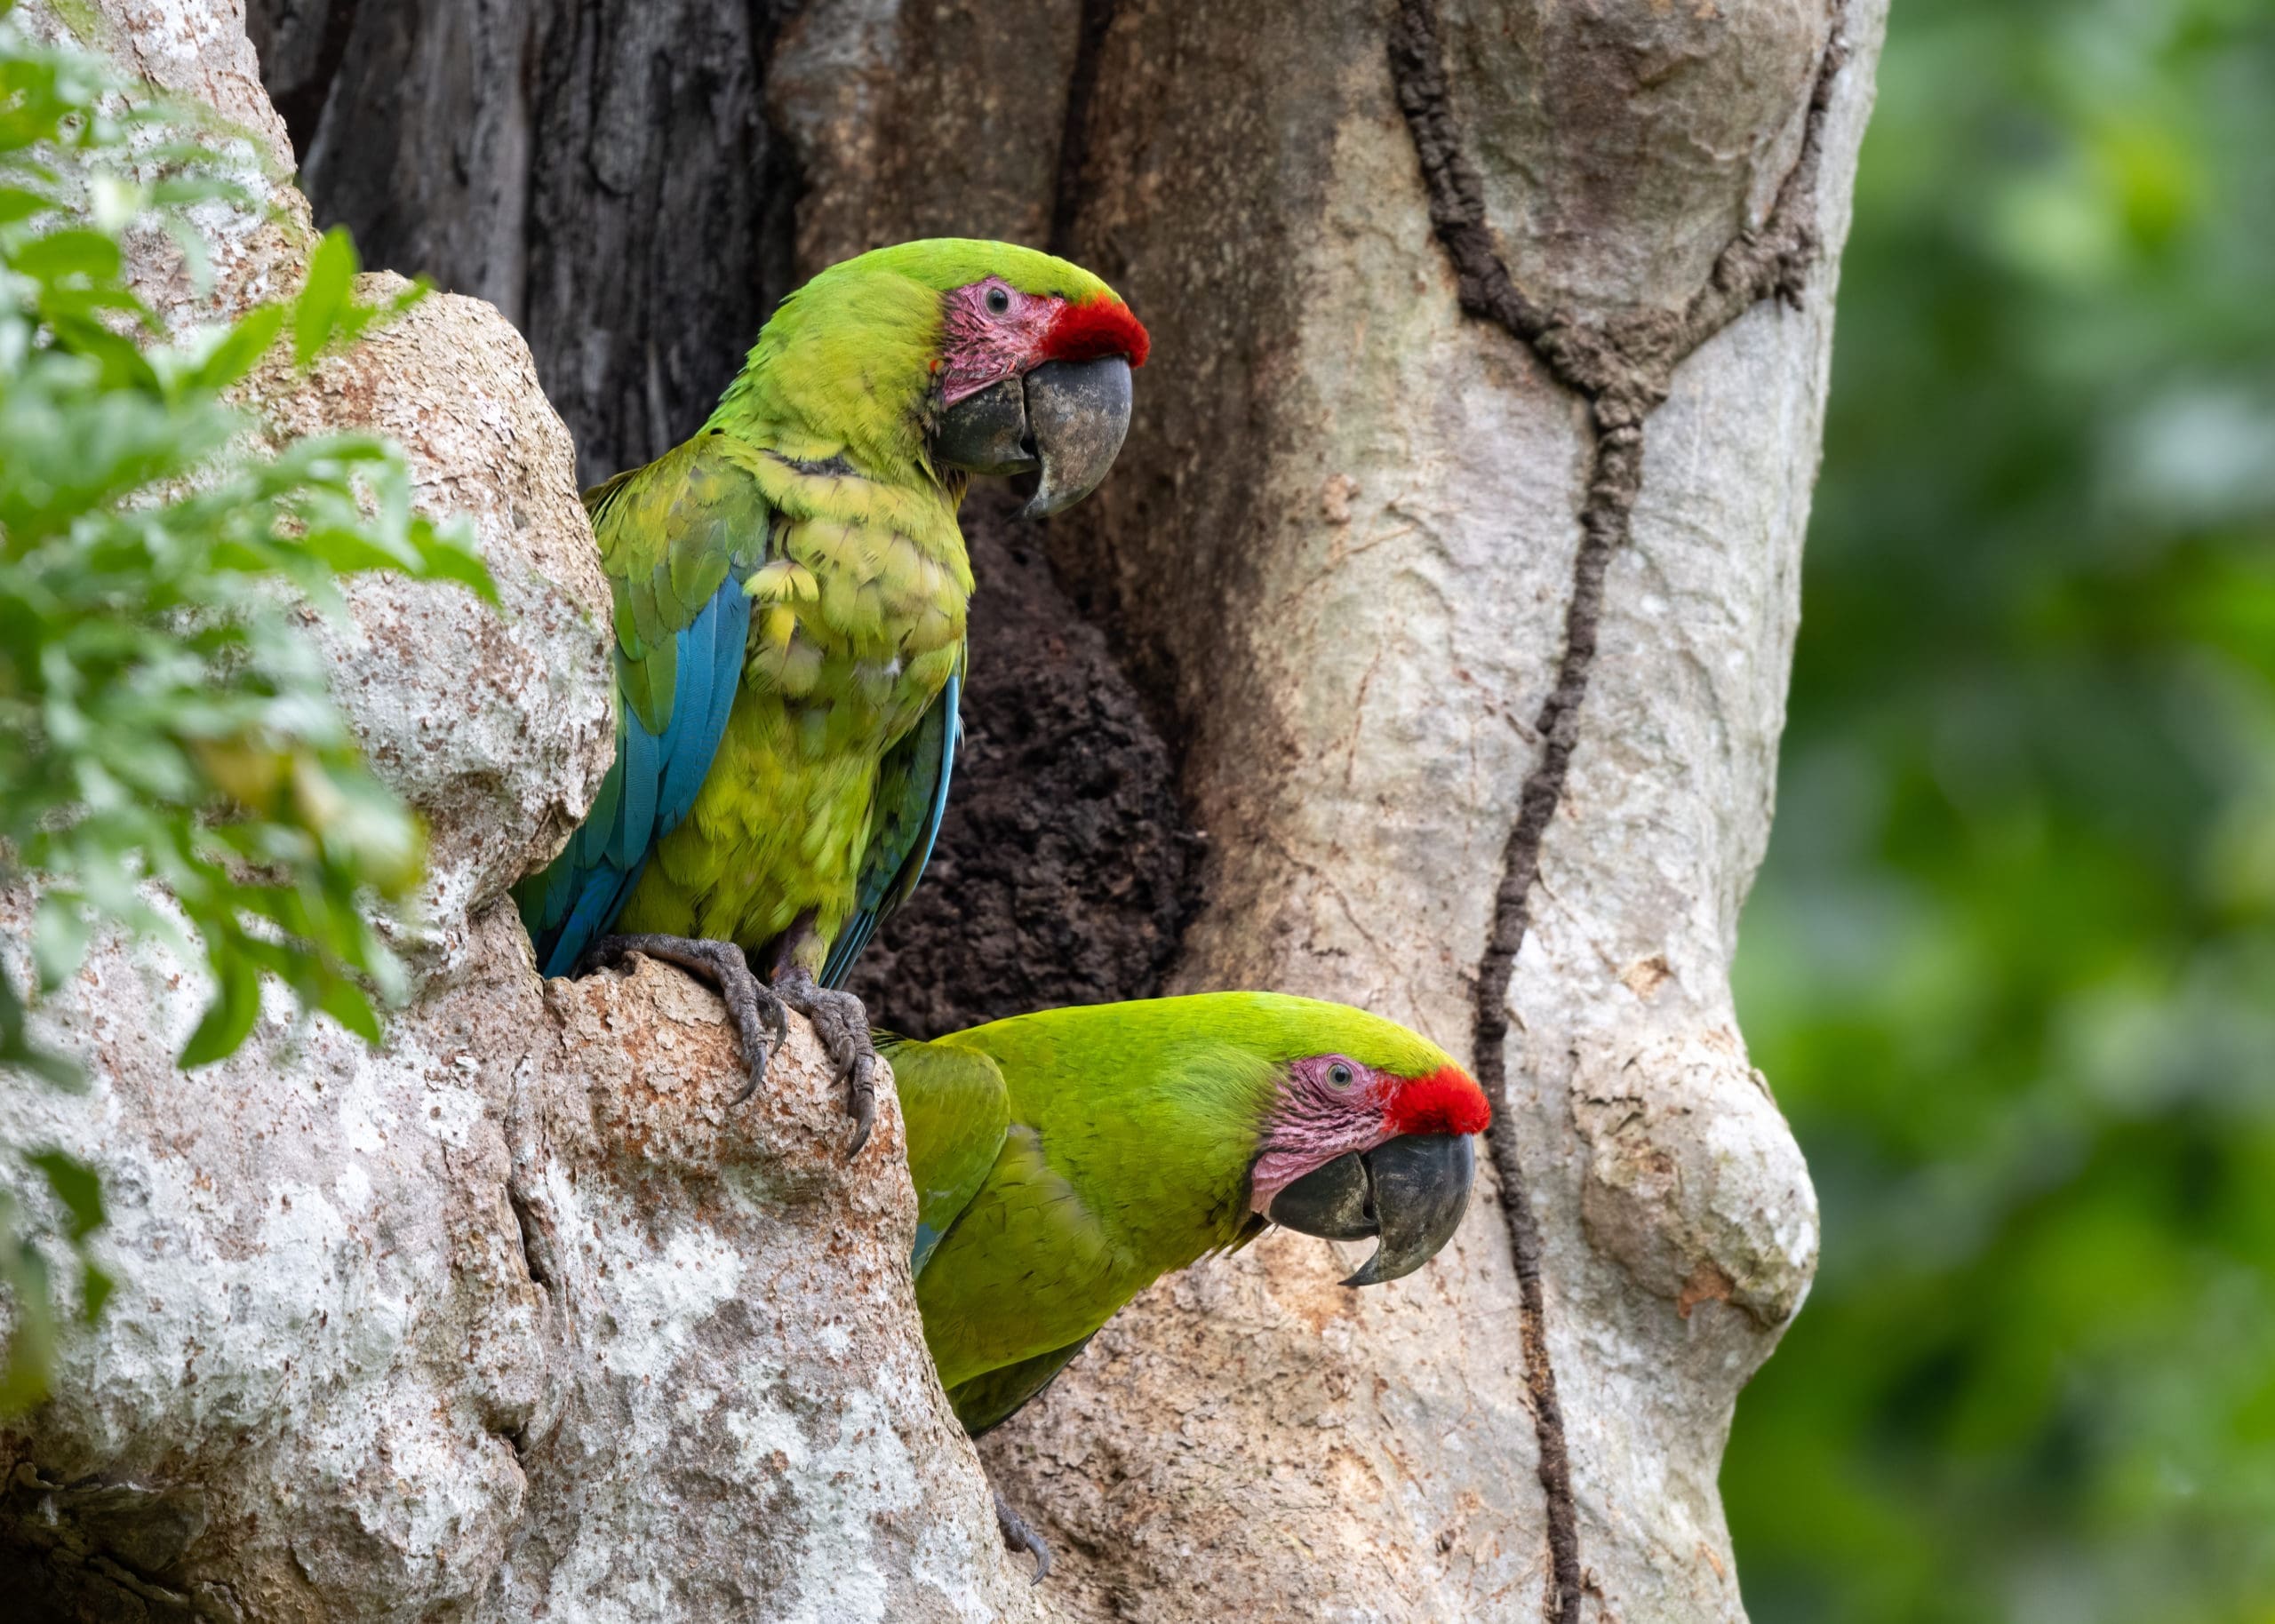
x=602 y=896
x=683 y=772
x=951 y=737
x=650 y=789
x=731 y=636
x=643 y=754
x=600 y=823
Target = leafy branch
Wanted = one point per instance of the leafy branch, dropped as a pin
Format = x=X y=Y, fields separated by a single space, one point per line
x=170 y=761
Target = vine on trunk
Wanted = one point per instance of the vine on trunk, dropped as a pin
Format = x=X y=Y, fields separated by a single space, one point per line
x=1623 y=367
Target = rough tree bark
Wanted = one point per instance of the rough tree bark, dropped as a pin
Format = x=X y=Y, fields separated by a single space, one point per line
x=1448 y=582
x=513 y=1317
x=1481 y=633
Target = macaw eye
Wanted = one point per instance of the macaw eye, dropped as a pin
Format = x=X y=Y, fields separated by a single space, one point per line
x=1339 y=1075
x=998 y=301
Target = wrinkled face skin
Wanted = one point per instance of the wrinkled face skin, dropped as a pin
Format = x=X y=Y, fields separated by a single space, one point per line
x=1331 y=1105
x=991 y=331
x=1351 y=1152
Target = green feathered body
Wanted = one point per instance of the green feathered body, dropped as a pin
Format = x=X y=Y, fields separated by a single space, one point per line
x=857 y=621
x=1066 y=1159
x=809 y=490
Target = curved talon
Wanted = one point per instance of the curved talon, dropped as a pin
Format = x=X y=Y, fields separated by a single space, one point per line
x=861 y=1103
x=1019 y=1536
x=842 y=1025
x=754 y=1063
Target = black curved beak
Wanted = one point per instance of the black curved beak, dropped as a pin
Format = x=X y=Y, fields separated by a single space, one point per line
x=1078 y=412
x=1410 y=1191
x=1066 y=417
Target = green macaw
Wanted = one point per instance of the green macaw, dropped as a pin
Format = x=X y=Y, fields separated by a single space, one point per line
x=1066 y=1160
x=790 y=592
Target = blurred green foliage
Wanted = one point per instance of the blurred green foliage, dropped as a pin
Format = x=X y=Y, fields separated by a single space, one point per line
x=163 y=717
x=2011 y=965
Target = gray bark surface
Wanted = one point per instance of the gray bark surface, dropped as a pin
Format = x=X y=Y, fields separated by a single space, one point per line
x=542 y=157
x=1447 y=583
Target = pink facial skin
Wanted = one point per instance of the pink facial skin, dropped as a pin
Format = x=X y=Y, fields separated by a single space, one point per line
x=991 y=331
x=1319 y=1117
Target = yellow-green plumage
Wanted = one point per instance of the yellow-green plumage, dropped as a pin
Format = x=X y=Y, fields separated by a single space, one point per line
x=847 y=648
x=811 y=488
x=1066 y=1159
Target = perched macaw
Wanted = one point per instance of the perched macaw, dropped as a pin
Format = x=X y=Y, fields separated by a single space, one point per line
x=790 y=591
x=1066 y=1160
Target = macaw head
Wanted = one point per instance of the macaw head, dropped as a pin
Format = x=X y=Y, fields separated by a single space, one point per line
x=995 y=359
x=1369 y=1132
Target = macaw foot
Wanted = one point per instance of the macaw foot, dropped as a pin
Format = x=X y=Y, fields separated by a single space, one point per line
x=760 y=1024
x=1019 y=1536
x=842 y=1025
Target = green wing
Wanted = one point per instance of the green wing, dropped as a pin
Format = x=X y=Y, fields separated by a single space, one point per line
x=669 y=534
x=993 y=1397
x=957 y=1112
x=677 y=540
x=912 y=798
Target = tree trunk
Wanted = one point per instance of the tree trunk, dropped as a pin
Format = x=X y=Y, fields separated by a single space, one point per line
x=1442 y=601
x=1471 y=569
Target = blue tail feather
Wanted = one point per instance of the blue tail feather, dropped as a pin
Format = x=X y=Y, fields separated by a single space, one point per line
x=601 y=897
x=690 y=711
x=649 y=791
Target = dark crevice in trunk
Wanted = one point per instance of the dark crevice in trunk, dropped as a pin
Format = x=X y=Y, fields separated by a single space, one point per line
x=1074 y=145
x=537 y=1239
x=780 y=184
x=602 y=170
x=323 y=30
x=1066 y=872
x=1623 y=370
x=660 y=215
x=96 y=1549
x=525 y=226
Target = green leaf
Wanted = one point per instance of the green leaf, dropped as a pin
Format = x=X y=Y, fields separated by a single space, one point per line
x=229 y=1017
x=124 y=366
x=17 y=204
x=241 y=350
x=60 y=931
x=17 y=1048
x=31 y=1343
x=72 y=252
x=447 y=560
x=77 y=1186
x=95 y=1287
x=344 y=1001
x=331 y=276
x=349 y=552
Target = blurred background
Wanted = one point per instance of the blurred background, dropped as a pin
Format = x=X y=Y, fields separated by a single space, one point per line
x=2011 y=965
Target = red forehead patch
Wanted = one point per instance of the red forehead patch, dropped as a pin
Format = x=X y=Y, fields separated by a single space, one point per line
x=1446 y=1102
x=1094 y=331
